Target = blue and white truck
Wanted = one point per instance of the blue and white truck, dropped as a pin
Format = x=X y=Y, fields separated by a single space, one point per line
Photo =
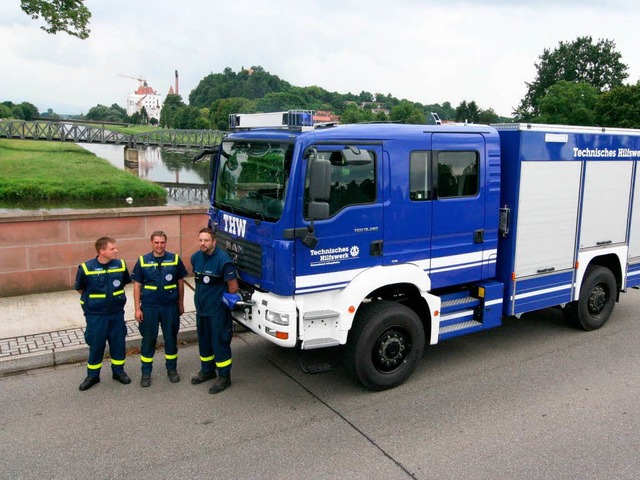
x=384 y=238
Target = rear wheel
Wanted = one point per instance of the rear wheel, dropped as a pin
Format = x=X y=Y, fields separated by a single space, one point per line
x=596 y=301
x=385 y=344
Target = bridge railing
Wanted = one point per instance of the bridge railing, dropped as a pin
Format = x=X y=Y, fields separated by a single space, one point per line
x=65 y=132
x=178 y=138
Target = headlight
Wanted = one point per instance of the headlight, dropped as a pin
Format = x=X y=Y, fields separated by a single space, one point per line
x=278 y=318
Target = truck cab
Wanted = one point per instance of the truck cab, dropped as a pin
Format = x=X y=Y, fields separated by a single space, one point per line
x=325 y=223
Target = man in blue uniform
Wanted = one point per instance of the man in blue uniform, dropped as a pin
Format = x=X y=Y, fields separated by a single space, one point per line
x=215 y=274
x=100 y=282
x=158 y=293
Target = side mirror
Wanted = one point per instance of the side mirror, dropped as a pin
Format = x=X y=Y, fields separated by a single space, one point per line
x=207 y=151
x=354 y=156
x=320 y=180
x=318 y=210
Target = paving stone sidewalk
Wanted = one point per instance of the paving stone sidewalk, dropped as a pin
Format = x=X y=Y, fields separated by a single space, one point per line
x=65 y=346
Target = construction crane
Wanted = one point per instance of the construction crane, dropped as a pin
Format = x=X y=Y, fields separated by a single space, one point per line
x=139 y=78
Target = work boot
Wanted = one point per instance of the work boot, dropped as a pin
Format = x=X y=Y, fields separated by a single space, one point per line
x=173 y=376
x=88 y=383
x=202 y=377
x=123 y=378
x=145 y=381
x=221 y=384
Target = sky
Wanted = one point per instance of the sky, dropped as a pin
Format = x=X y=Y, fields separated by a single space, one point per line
x=427 y=51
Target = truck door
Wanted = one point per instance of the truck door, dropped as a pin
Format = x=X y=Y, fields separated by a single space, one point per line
x=458 y=217
x=350 y=239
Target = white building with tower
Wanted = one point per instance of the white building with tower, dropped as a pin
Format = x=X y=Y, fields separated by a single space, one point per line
x=146 y=97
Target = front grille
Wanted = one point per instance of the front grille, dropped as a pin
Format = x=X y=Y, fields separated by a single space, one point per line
x=247 y=256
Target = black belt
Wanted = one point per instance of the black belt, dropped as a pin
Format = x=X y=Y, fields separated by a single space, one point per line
x=208 y=279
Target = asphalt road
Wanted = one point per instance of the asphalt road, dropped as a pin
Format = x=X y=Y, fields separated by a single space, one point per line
x=533 y=399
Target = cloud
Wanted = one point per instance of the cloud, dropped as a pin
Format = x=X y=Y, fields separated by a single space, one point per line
x=425 y=51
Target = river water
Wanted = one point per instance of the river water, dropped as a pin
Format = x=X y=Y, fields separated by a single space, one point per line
x=156 y=164
x=171 y=167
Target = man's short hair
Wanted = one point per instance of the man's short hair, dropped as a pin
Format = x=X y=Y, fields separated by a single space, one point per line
x=158 y=233
x=209 y=231
x=102 y=242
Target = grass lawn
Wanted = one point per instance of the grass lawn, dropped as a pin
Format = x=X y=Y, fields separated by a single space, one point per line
x=36 y=173
x=132 y=129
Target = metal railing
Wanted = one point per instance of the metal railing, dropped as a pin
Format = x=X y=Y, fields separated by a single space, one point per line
x=66 y=132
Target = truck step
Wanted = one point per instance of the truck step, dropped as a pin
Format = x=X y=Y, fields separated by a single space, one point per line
x=316 y=361
x=456 y=309
x=456 y=302
x=457 y=329
x=320 y=315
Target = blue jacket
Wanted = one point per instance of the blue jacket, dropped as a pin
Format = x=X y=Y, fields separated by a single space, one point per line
x=102 y=286
x=212 y=273
x=159 y=281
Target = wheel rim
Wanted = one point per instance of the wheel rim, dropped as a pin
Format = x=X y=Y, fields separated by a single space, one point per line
x=391 y=349
x=598 y=300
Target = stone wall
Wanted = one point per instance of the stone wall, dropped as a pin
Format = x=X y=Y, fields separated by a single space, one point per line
x=40 y=251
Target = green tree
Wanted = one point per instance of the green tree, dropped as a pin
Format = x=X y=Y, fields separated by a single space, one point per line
x=70 y=16
x=144 y=115
x=619 y=107
x=114 y=113
x=169 y=108
x=444 y=111
x=220 y=110
x=597 y=64
x=381 y=117
x=202 y=123
x=365 y=96
x=5 y=112
x=568 y=103
x=488 y=116
x=17 y=112
x=252 y=83
x=50 y=114
x=30 y=111
x=280 y=101
x=407 y=112
x=351 y=114
x=186 y=118
x=468 y=112
x=135 y=118
x=118 y=110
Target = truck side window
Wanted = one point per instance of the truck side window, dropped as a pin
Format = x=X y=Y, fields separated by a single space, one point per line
x=351 y=184
x=419 y=182
x=457 y=174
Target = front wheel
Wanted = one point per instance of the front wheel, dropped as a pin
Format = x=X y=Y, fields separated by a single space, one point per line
x=596 y=301
x=385 y=344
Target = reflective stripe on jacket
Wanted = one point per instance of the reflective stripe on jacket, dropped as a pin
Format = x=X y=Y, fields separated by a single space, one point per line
x=103 y=286
x=159 y=281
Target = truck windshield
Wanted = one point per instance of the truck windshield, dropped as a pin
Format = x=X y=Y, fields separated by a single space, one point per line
x=252 y=177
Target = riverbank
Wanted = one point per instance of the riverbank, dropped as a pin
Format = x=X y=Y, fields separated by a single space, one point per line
x=45 y=173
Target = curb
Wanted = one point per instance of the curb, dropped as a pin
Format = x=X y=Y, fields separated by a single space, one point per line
x=76 y=353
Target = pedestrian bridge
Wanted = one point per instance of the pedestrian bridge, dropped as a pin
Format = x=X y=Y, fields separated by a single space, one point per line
x=78 y=133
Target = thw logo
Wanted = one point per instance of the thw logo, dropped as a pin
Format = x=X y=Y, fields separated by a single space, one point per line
x=234 y=225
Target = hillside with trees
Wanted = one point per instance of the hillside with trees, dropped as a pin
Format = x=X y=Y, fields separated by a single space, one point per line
x=255 y=90
x=577 y=83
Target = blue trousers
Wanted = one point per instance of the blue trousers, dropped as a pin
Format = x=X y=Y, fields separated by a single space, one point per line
x=167 y=318
x=214 y=342
x=100 y=330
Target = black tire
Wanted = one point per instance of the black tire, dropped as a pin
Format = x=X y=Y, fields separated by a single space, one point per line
x=385 y=344
x=597 y=299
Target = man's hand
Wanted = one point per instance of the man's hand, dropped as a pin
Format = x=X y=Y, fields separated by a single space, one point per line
x=139 y=315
